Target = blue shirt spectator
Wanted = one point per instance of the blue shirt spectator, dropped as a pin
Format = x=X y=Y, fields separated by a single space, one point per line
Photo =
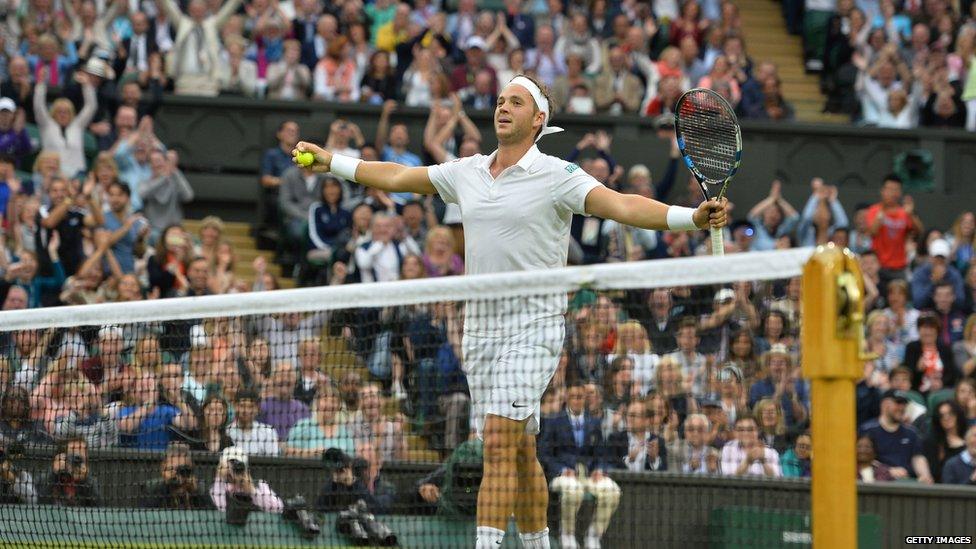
x=961 y=468
x=816 y=214
x=134 y=168
x=897 y=445
x=772 y=218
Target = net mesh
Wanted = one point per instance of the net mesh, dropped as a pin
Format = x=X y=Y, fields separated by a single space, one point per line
x=203 y=420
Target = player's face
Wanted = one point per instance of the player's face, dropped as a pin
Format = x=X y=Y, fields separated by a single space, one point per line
x=516 y=116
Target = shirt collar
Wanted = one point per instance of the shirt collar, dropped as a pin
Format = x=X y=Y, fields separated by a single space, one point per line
x=525 y=162
x=967 y=458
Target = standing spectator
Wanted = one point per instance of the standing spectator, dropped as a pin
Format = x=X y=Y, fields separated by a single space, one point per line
x=14 y=140
x=279 y=408
x=70 y=484
x=274 y=163
x=898 y=446
x=869 y=469
x=821 y=216
x=126 y=228
x=392 y=142
x=133 y=53
x=890 y=224
x=132 y=158
x=693 y=364
x=617 y=89
x=164 y=192
x=299 y=188
x=772 y=218
x=61 y=131
x=929 y=358
x=194 y=61
x=961 y=469
x=69 y=215
x=578 y=40
x=571 y=451
x=50 y=66
x=19 y=82
x=747 y=455
x=249 y=435
x=962 y=237
x=288 y=78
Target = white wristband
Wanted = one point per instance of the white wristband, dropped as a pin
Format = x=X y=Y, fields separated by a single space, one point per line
x=681 y=219
x=344 y=166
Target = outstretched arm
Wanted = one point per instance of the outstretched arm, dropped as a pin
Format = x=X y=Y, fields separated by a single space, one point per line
x=638 y=211
x=385 y=176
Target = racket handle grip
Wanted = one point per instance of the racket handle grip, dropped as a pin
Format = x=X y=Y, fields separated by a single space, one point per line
x=718 y=244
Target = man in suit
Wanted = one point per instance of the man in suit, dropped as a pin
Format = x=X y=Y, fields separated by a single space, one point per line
x=638 y=449
x=133 y=53
x=572 y=453
x=692 y=454
x=194 y=61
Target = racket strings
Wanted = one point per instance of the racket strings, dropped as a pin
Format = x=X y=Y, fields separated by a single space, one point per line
x=709 y=132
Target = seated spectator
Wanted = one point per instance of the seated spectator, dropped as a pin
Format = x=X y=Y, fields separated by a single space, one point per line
x=796 y=461
x=743 y=353
x=16 y=484
x=879 y=342
x=249 y=435
x=327 y=221
x=145 y=420
x=747 y=455
x=772 y=428
x=964 y=350
x=288 y=78
x=896 y=444
x=14 y=142
x=772 y=218
x=946 y=307
x=443 y=490
x=577 y=39
x=312 y=377
x=167 y=267
x=930 y=360
x=962 y=238
x=298 y=190
x=677 y=390
x=16 y=424
x=380 y=259
x=61 y=130
x=633 y=345
x=870 y=469
x=937 y=269
x=178 y=486
x=163 y=195
x=732 y=398
x=946 y=437
x=692 y=363
x=903 y=316
x=572 y=444
x=312 y=436
x=233 y=479
x=378 y=83
x=25 y=272
x=279 y=408
x=373 y=428
x=780 y=384
x=127 y=229
x=239 y=75
x=69 y=484
x=589 y=363
x=28 y=357
x=211 y=433
x=482 y=95
x=693 y=454
x=617 y=90
x=637 y=448
x=961 y=469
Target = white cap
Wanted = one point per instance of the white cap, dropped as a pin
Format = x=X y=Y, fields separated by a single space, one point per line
x=939 y=247
x=7 y=104
x=476 y=42
x=724 y=294
x=233 y=453
x=111 y=331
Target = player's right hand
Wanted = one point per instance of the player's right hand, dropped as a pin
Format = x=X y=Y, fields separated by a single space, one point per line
x=323 y=158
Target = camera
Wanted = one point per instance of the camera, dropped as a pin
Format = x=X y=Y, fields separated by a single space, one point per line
x=75 y=460
x=238 y=467
x=184 y=471
x=362 y=528
x=296 y=511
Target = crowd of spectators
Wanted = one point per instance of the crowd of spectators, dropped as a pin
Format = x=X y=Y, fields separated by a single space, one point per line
x=892 y=64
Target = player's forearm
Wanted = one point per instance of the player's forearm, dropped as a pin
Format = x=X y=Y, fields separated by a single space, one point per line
x=645 y=213
x=379 y=175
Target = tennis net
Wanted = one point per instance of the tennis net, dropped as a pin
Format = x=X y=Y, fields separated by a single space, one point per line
x=202 y=421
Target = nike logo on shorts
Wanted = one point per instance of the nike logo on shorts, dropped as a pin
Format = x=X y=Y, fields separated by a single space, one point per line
x=514 y=405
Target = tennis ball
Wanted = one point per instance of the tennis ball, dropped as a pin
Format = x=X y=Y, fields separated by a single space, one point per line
x=305 y=159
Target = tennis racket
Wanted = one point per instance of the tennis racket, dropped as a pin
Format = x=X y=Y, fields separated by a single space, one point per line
x=711 y=143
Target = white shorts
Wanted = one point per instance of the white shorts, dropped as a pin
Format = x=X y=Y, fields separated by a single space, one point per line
x=507 y=375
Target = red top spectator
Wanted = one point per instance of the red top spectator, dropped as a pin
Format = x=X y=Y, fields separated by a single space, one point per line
x=890 y=224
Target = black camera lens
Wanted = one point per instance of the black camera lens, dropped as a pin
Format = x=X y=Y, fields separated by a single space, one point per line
x=184 y=471
x=238 y=467
x=75 y=460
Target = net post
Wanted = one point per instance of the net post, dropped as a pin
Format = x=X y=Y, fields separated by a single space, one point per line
x=832 y=331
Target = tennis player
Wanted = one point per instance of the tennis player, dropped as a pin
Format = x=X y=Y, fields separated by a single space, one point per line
x=516 y=207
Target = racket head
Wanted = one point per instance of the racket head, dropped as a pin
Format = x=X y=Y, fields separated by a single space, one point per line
x=708 y=136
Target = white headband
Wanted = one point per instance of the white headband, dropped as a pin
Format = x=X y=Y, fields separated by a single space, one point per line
x=540 y=102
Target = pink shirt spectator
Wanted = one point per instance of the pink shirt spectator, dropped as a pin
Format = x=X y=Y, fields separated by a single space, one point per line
x=733 y=455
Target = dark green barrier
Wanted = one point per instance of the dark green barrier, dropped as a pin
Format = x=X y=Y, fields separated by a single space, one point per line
x=733 y=527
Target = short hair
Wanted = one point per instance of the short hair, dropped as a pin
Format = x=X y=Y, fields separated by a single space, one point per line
x=701 y=417
x=899 y=285
x=928 y=319
x=687 y=322
x=6 y=159
x=248 y=394
x=891 y=177
x=944 y=284
x=745 y=417
x=126 y=190
x=899 y=370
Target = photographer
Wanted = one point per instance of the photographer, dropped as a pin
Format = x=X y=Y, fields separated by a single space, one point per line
x=443 y=492
x=69 y=483
x=346 y=483
x=234 y=479
x=16 y=485
x=178 y=487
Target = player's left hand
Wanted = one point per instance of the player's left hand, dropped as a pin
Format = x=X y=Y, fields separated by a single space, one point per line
x=712 y=213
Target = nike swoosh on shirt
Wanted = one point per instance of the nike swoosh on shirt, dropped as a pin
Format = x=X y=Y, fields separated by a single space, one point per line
x=514 y=405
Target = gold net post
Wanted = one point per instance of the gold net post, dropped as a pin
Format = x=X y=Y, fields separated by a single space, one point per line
x=832 y=332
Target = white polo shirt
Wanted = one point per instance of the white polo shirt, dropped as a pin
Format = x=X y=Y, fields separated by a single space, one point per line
x=519 y=221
